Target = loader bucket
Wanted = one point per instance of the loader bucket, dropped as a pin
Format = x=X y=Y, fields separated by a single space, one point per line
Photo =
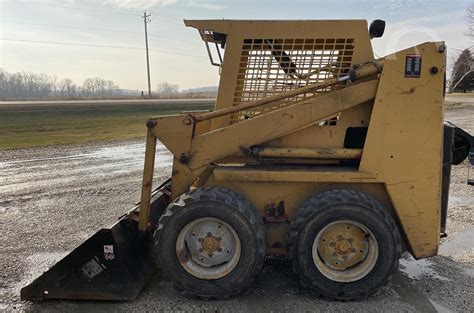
x=113 y=264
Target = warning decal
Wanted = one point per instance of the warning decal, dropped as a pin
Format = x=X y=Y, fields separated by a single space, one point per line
x=413 y=66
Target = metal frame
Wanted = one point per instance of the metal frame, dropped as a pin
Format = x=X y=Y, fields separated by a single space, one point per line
x=400 y=163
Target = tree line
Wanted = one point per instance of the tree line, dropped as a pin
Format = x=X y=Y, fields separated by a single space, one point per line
x=27 y=85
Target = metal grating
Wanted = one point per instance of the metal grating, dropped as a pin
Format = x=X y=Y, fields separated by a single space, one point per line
x=271 y=66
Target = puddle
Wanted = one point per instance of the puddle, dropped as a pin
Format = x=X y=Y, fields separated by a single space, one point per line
x=113 y=152
x=131 y=157
x=130 y=154
x=112 y=160
x=415 y=269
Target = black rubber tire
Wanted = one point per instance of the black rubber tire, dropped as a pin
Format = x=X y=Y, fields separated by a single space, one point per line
x=158 y=202
x=232 y=208
x=342 y=204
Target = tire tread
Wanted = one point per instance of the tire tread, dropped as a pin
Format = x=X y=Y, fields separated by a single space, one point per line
x=244 y=207
x=322 y=201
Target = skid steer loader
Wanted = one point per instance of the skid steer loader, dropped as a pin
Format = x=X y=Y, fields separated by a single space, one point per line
x=315 y=150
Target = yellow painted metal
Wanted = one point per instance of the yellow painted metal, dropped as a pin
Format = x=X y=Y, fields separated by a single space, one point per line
x=323 y=32
x=293 y=174
x=204 y=126
x=364 y=71
x=276 y=123
x=171 y=128
x=293 y=194
x=400 y=162
x=404 y=144
x=147 y=182
x=307 y=153
x=327 y=134
x=183 y=178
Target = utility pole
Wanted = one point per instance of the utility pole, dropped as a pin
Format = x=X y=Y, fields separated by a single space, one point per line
x=146 y=20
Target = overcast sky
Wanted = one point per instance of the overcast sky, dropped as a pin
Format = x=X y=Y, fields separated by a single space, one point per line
x=118 y=23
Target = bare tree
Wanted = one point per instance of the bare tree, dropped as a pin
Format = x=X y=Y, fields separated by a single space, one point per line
x=30 y=85
x=88 y=87
x=15 y=85
x=99 y=87
x=67 y=88
x=26 y=85
x=167 y=88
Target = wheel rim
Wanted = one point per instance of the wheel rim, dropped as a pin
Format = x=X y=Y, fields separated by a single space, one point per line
x=345 y=251
x=208 y=248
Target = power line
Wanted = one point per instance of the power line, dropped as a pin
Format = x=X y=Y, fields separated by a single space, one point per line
x=100 y=29
x=72 y=27
x=99 y=46
x=89 y=4
x=70 y=43
x=178 y=53
x=118 y=8
x=124 y=11
x=68 y=7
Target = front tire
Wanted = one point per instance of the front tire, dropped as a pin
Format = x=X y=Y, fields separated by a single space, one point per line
x=211 y=243
x=343 y=244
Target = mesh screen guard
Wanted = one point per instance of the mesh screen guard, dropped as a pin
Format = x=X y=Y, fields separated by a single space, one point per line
x=271 y=66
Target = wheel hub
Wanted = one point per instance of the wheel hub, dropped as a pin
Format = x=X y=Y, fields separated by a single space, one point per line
x=208 y=248
x=210 y=244
x=343 y=247
x=345 y=251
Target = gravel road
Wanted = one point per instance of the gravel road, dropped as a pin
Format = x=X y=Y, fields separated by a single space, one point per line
x=52 y=199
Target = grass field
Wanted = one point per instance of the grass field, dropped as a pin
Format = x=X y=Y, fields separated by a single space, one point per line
x=30 y=124
x=40 y=124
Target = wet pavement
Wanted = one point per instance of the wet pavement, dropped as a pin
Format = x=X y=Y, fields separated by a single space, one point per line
x=51 y=199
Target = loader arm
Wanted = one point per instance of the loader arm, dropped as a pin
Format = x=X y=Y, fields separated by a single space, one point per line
x=194 y=151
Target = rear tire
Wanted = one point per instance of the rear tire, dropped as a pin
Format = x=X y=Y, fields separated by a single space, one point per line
x=343 y=245
x=210 y=243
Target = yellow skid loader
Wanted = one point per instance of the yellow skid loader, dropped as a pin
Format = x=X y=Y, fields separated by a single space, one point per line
x=315 y=150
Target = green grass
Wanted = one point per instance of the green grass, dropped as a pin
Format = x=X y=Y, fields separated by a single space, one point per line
x=32 y=125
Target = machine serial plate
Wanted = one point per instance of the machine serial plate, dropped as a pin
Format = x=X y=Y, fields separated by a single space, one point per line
x=413 y=66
